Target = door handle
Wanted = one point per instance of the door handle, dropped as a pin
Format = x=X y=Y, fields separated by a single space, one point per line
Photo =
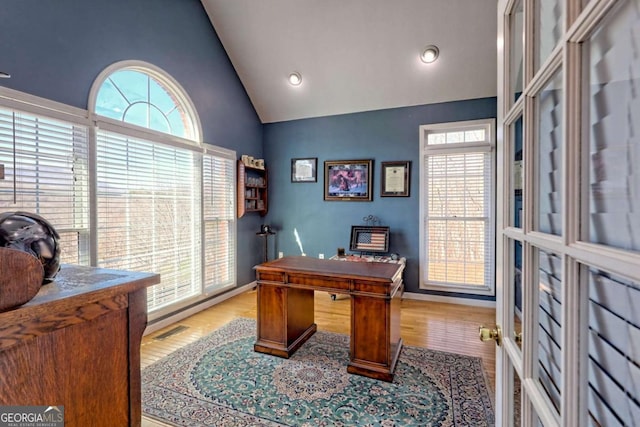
x=487 y=334
x=518 y=338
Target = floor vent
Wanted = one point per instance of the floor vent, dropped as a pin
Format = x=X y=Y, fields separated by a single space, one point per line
x=171 y=332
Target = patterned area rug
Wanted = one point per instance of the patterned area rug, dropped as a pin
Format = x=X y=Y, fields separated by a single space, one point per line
x=220 y=381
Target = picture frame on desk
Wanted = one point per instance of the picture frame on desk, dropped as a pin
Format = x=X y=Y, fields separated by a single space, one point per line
x=369 y=239
x=348 y=180
x=395 y=179
x=304 y=169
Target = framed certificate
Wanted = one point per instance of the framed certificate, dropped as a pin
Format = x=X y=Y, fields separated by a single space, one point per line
x=304 y=170
x=395 y=179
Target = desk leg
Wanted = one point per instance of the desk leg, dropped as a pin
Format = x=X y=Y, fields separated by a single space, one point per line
x=285 y=319
x=375 y=336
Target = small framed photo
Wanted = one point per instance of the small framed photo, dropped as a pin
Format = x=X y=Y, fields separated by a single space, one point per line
x=304 y=170
x=395 y=179
x=348 y=180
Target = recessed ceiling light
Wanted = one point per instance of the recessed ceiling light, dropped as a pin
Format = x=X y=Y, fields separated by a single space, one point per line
x=295 y=79
x=429 y=54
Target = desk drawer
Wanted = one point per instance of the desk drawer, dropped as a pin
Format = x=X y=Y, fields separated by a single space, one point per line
x=318 y=282
x=271 y=276
x=376 y=288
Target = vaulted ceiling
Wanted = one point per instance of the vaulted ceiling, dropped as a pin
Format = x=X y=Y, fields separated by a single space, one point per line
x=356 y=55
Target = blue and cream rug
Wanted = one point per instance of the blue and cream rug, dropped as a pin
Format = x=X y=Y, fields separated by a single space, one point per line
x=220 y=381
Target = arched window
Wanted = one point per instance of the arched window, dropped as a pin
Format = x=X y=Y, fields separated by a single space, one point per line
x=141 y=94
x=152 y=213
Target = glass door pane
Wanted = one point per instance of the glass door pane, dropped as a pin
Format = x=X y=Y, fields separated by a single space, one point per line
x=516 y=63
x=517 y=400
x=548 y=29
x=614 y=349
x=516 y=173
x=549 y=156
x=614 y=153
x=550 y=325
x=517 y=291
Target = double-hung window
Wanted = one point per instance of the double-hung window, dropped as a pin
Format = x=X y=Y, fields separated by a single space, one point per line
x=219 y=218
x=45 y=163
x=457 y=207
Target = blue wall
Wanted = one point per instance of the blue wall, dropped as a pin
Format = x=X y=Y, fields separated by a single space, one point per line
x=383 y=135
x=56 y=48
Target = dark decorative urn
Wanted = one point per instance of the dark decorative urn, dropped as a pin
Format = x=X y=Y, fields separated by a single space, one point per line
x=33 y=234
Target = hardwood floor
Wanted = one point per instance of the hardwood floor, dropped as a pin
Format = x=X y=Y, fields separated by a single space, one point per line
x=437 y=326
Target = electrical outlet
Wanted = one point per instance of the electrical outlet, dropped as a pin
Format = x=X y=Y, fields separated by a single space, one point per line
x=280 y=254
x=321 y=256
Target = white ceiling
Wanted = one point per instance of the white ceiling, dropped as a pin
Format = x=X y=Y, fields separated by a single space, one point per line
x=356 y=55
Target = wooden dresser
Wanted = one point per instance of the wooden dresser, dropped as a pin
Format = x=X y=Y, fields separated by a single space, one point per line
x=77 y=344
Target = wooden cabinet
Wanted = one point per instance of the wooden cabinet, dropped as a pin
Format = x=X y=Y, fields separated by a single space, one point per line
x=252 y=190
x=77 y=344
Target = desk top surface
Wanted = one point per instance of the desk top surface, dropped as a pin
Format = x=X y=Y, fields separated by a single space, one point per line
x=370 y=270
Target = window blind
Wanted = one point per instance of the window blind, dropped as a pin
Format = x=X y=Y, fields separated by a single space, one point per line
x=148 y=210
x=219 y=220
x=46 y=173
x=458 y=221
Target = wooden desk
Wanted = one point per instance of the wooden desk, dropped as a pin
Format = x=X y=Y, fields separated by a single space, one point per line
x=285 y=309
x=77 y=344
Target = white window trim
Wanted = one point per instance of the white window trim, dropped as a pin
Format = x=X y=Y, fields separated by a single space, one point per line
x=490 y=126
x=141 y=132
x=32 y=104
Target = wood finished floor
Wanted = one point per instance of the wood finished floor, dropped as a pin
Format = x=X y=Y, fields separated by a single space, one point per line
x=437 y=326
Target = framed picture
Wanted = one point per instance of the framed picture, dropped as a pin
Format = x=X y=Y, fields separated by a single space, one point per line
x=348 y=180
x=304 y=170
x=366 y=238
x=395 y=179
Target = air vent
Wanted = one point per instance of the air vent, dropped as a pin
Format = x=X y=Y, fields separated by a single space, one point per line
x=171 y=332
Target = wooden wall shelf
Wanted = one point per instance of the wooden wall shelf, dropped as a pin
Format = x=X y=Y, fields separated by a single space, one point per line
x=252 y=190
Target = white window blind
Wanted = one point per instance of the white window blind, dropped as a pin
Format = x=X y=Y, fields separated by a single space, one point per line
x=148 y=209
x=219 y=220
x=45 y=164
x=457 y=195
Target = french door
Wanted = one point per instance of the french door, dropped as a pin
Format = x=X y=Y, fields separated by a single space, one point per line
x=568 y=217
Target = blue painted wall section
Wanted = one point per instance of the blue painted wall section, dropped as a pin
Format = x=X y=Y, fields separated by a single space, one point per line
x=56 y=48
x=384 y=135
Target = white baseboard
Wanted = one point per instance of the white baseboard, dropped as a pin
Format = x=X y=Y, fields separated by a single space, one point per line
x=183 y=314
x=449 y=300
